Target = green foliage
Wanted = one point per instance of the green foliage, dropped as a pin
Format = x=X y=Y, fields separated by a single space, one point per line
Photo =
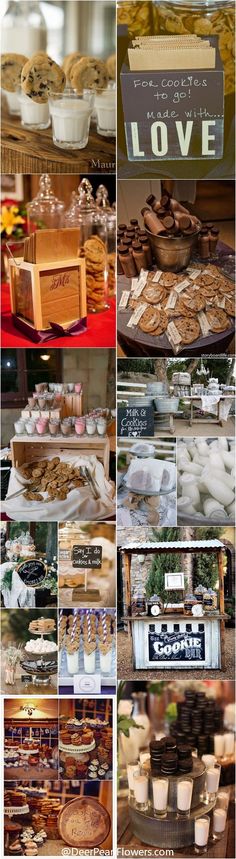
x=163 y=563
x=124 y=723
x=205 y=568
x=171 y=712
x=135 y=365
x=7 y=580
x=156 y=688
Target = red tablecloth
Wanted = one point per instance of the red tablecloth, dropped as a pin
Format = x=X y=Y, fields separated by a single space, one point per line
x=101 y=329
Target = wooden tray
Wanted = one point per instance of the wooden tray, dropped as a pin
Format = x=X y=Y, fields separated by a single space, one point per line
x=69 y=816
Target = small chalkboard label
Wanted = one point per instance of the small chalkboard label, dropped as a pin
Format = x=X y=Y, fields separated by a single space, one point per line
x=32 y=572
x=64 y=554
x=86 y=557
x=135 y=421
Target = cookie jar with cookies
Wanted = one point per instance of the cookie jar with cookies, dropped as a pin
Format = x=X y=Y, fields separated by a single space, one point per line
x=93 y=223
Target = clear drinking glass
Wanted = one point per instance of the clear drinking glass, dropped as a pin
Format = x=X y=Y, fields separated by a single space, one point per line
x=71 y=115
x=184 y=796
x=219 y=823
x=33 y=115
x=160 y=787
x=212 y=782
x=140 y=791
x=201 y=834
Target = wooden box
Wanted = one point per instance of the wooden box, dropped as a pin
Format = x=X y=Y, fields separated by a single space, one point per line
x=25 y=450
x=47 y=294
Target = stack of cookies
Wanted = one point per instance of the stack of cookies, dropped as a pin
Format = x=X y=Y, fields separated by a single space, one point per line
x=96 y=273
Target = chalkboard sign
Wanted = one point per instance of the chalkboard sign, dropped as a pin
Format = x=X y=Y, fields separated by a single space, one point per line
x=32 y=572
x=176 y=646
x=87 y=557
x=173 y=114
x=135 y=421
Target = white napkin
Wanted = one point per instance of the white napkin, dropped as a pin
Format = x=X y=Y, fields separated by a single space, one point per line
x=210 y=402
x=19 y=596
x=79 y=504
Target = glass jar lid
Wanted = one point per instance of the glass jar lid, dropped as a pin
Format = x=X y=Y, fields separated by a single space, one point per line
x=45 y=204
x=196 y=4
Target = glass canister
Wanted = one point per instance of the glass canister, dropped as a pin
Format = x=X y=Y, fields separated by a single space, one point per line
x=202 y=18
x=92 y=222
x=137 y=16
x=45 y=211
x=102 y=198
x=111 y=250
x=24 y=28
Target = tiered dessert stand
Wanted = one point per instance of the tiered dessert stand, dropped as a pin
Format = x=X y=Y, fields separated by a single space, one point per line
x=40 y=666
x=173 y=831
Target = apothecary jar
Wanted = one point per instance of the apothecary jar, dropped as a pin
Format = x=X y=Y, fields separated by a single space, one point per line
x=45 y=212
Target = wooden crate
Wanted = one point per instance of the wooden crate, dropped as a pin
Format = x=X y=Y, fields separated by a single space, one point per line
x=47 y=292
x=25 y=450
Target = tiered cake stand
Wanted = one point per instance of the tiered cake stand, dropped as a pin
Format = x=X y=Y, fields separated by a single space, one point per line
x=172 y=831
x=44 y=664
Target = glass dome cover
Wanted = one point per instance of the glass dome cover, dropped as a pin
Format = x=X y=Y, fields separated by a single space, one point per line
x=45 y=211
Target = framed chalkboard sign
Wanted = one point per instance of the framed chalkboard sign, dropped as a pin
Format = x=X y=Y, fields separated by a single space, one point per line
x=32 y=572
x=86 y=557
x=135 y=421
x=176 y=646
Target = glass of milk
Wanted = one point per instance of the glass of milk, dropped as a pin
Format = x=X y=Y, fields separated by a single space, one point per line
x=201 y=834
x=131 y=769
x=71 y=114
x=219 y=823
x=140 y=782
x=105 y=106
x=73 y=662
x=160 y=787
x=89 y=661
x=34 y=116
x=106 y=661
x=212 y=782
x=184 y=796
x=13 y=105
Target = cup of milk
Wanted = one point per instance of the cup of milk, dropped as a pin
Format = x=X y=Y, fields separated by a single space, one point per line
x=71 y=115
x=34 y=116
x=13 y=104
x=201 y=834
x=105 y=106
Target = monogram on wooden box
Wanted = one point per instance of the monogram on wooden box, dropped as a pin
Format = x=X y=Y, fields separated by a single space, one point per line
x=48 y=285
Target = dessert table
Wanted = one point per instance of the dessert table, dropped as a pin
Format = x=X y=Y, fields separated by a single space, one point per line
x=196 y=402
x=101 y=330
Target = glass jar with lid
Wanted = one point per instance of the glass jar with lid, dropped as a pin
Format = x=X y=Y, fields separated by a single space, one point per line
x=201 y=18
x=24 y=28
x=92 y=221
x=136 y=15
x=45 y=211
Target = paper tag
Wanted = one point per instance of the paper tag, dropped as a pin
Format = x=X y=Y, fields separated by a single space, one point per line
x=87 y=684
x=136 y=316
x=194 y=273
x=206 y=271
x=157 y=276
x=134 y=283
x=124 y=300
x=139 y=289
x=204 y=324
x=181 y=286
x=174 y=334
x=221 y=302
x=170 y=304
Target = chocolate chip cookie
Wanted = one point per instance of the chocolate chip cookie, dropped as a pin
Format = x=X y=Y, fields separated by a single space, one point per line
x=217 y=319
x=11 y=68
x=189 y=329
x=69 y=61
x=40 y=76
x=111 y=66
x=150 y=320
x=89 y=73
x=153 y=293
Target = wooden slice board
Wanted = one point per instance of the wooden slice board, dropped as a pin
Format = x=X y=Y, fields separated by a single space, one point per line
x=84 y=822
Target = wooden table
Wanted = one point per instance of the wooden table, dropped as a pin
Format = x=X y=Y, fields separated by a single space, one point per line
x=25 y=151
x=195 y=402
x=129 y=842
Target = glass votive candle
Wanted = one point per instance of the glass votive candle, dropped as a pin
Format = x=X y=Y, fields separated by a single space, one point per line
x=33 y=115
x=12 y=99
x=184 y=796
x=219 y=822
x=228 y=744
x=160 y=787
x=212 y=782
x=105 y=106
x=219 y=745
x=201 y=834
x=131 y=769
x=140 y=782
x=71 y=115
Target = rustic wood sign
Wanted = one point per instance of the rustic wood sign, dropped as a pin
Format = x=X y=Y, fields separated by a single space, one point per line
x=59 y=291
x=135 y=421
x=32 y=572
x=87 y=557
x=176 y=646
x=173 y=114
